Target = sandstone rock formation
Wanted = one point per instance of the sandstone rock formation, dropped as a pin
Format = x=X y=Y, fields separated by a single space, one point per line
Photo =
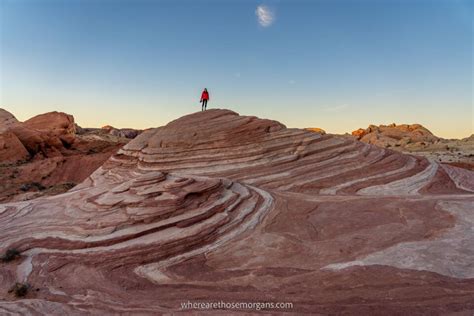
x=316 y=130
x=418 y=140
x=44 y=156
x=11 y=149
x=129 y=133
x=55 y=125
x=395 y=135
x=46 y=134
x=220 y=207
x=6 y=120
x=122 y=132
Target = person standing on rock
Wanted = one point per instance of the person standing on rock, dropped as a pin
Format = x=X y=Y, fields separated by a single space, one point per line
x=204 y=99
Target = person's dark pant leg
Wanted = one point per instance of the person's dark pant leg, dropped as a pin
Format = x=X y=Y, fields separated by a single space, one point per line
x=204 y=104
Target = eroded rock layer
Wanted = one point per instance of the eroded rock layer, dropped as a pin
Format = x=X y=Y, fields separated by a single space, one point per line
x=220 y=207
x=266 y=154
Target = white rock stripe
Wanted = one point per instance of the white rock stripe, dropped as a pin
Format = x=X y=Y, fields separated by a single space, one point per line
x=405 y=186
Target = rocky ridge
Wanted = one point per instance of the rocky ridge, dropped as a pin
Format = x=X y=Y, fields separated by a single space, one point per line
x=416 y=139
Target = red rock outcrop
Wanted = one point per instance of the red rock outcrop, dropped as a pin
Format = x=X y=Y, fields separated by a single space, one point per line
x=316 y=130
x=44 y=156
x=217 y=207
x=47 y=133
x=11 y=149
x=416 y=139
x=55 y=124
x=6 y=120
x=359 y=133
x=395 y=135
x=122 y=132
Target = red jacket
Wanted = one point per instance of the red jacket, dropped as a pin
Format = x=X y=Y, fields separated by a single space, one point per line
x=205 y=95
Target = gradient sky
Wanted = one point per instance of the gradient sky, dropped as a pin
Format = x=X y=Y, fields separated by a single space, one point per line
x=338 y=65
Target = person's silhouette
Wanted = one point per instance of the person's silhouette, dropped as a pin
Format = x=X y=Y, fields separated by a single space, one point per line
x=204 y=99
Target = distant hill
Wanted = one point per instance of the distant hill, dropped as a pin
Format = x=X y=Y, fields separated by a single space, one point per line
x=417 y=139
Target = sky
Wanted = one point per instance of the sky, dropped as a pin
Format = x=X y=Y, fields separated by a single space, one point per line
x=334 y=64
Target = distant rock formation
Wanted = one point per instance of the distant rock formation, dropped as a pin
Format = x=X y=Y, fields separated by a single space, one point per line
x=418 y=140
x=6 y=120
x=122 y=132
x=58 y=127
x=396 y=135
x=46 y=134
x=316 y=130
x=129 y=133
x=46 y=150
x=468 y=139
x=11 y=148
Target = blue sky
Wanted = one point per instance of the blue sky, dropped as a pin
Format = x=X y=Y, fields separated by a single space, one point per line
x=334 y=64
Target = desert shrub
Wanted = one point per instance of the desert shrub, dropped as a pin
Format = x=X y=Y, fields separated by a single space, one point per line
x=10 y=255
x=69 y=185
x=28 y=186
x=19 y=289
